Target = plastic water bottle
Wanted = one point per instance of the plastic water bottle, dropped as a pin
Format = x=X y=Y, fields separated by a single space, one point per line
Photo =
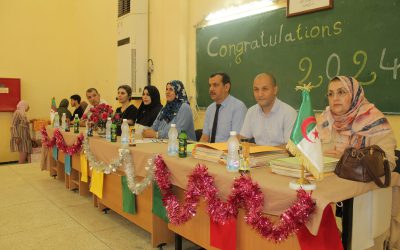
x=56 y=120
x=173 y=141
x=108 y=129
x=125 y=133
x=64 y=121
x=232 y=161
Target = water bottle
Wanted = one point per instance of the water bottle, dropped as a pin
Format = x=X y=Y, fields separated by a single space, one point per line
x=64 y=121
x=173 y=141
x=76 y=124
x=108 y=129
x=182 y=151
x=232 y=161
x=56 y=120
x=125 y=133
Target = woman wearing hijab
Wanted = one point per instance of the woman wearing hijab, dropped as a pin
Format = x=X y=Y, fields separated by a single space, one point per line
x=177 y=111
x=150 y=106
x=63 y=108
x=351 y=120
x=127 y=110
x=20 y=136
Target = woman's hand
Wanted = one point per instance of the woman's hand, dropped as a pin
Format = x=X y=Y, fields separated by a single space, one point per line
x=149 y=133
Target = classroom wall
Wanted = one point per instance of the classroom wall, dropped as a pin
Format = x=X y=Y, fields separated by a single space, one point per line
x=59 y=48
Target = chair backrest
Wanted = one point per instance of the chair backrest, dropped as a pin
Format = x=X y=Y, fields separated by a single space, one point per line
x=199 y=133
x=397 y=168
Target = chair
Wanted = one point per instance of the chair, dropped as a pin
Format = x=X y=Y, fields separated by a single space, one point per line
x=199 y=133
x=397 y=168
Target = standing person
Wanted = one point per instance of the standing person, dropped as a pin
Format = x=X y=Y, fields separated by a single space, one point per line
x=76 y=103
x=149 y=108
x=20 y=134
x=270 y=121
x=127 y=110
x=177 y=111
x=63 y=108
x=225 y=114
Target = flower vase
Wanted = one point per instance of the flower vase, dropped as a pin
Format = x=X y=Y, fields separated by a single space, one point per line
x=101 y=130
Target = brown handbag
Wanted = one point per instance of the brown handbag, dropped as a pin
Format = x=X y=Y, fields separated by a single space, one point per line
x=365 y=165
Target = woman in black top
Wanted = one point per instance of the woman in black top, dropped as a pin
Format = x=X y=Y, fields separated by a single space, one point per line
x=150 y=106
x=127 y=110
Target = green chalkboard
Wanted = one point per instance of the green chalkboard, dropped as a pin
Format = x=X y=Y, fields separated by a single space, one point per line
x=360 y=38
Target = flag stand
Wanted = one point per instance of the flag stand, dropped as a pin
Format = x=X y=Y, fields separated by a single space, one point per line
x=302 y=182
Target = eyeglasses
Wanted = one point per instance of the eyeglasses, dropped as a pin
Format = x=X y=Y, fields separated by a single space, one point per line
x=340 y=93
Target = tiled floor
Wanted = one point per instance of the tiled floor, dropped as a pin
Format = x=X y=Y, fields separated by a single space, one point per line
x=37 y=212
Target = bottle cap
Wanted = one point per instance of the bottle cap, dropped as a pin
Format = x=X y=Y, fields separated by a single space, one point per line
x=124 y=120
x=108 y=118
x=232 y=133
x=76 y=115
x=173 y=125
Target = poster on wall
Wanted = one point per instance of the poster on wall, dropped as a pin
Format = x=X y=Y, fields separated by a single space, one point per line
x=299 y=7
x=10 y=94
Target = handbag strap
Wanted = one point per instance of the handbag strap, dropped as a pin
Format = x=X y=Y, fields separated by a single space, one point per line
x=377 y=180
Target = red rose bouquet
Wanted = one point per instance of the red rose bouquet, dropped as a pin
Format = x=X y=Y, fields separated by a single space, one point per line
x=98 y=115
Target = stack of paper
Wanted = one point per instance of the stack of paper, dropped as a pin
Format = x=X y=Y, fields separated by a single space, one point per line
x=291 y=166
x=213 y=152
x=216 y=152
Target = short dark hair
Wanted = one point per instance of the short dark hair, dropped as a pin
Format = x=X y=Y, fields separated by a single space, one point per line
x=76 y=98
x=225 y=77
x=92 y=90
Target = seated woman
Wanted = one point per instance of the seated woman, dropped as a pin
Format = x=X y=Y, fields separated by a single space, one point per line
x=150 y=106
x=351 y=120
x=127 y=110
x=177 y=110
x=63 y=109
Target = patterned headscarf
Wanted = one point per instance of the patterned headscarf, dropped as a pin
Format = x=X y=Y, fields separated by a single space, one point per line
x=363 y=119
x=171 y=108
x=22 y=106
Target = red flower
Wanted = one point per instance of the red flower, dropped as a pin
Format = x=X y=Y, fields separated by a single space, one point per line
x=100 y=113
x=117 y=117
x=84 y=116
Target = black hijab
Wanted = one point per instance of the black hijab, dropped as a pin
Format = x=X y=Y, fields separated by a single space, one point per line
x=148 y=113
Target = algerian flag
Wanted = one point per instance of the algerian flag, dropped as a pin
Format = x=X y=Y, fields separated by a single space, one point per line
x=304 y=141
x=53 y=109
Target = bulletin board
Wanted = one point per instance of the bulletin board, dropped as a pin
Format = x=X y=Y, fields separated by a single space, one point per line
x=10 y=94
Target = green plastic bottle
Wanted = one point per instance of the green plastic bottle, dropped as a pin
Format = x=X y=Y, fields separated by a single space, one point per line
x=113 y=132
x=182 y=137
x=76 y=124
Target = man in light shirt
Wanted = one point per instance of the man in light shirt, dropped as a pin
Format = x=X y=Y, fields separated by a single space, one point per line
x=270 y=121
x=93 y=97
x=228 y=110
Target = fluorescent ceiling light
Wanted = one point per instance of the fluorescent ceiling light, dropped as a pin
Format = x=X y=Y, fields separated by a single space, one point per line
x=237 y=12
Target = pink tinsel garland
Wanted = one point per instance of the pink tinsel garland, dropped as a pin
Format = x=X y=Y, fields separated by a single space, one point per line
x=58 y=140
x=245 y=194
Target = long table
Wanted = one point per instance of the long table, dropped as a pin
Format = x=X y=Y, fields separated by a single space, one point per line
x=278 y=195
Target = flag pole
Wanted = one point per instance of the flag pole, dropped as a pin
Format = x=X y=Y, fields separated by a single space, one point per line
x=302 y=180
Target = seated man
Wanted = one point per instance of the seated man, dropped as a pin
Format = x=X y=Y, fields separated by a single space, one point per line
x=270 y=121
x=93 y=97
x=228 y=110
x=76 y=102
